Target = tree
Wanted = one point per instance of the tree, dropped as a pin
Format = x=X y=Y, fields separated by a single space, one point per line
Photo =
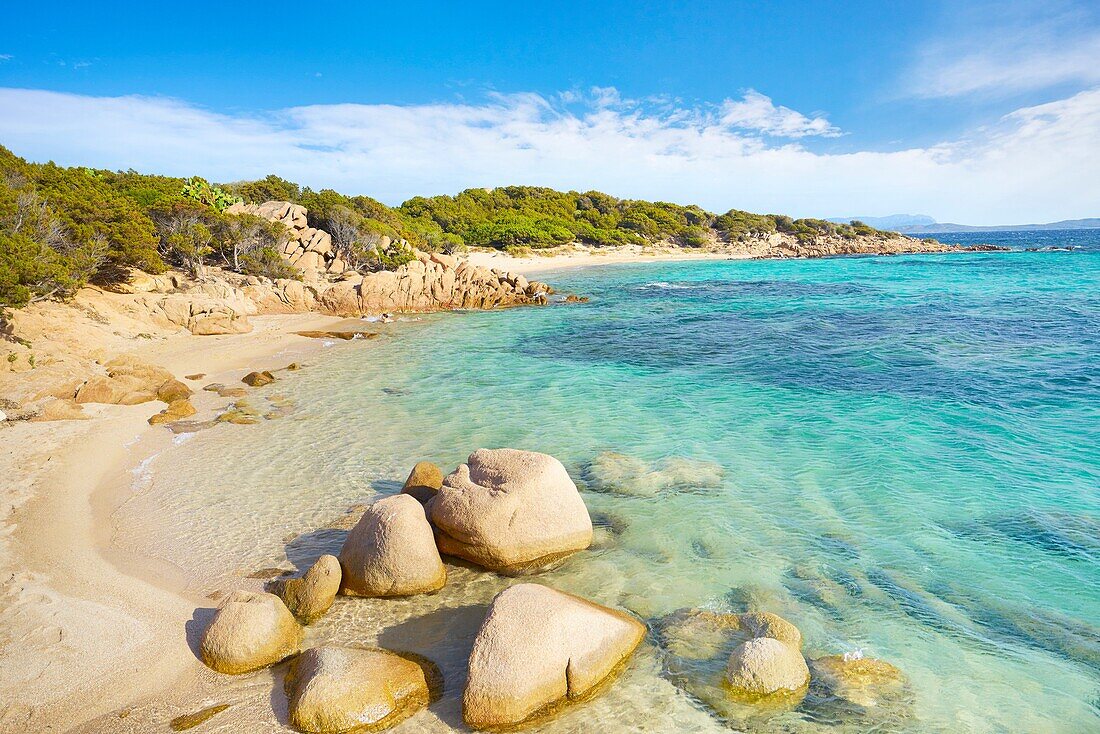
x=241 y=234
x=186 y=236
x=355 y=245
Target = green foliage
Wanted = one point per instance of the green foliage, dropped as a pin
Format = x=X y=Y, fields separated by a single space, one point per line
x=737 y=225
x=204 y=192
x=389 y=257
x=31 y=270
x=271 y=188
x=266 y=262
x=186 y=231
x=539 y=217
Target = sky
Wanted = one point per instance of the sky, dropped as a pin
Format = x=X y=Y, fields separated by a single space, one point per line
x=971 y=112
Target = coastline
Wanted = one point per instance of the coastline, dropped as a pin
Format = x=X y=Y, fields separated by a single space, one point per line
x=580 y=256
x=89 y=627
x=118 y=618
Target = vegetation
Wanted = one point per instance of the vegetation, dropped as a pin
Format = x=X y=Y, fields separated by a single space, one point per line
x=63 y=227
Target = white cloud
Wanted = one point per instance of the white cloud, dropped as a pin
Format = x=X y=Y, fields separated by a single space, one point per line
x=1036 y=164
x=6 y=57
x=1009 y=47
x=757 y=112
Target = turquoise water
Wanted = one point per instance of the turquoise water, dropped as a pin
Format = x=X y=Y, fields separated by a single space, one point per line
x=900 y=455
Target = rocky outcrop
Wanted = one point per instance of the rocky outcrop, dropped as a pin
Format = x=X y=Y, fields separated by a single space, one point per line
x=391 y=552
x=309 y=597
x=342 y=689
x=129 y=381
x=510 y=511
x=424 y=481
x=258 y=379
x=539 y=648
x=250 y=630
x=305 y=247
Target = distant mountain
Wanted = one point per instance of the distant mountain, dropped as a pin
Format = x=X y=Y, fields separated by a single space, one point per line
x=1090 y=223
x=892 y=222
x=924 y=224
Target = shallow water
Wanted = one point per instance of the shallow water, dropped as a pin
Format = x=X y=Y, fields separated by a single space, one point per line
x=897 y=454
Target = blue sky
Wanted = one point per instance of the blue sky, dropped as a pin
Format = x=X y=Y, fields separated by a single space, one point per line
x=976 y=112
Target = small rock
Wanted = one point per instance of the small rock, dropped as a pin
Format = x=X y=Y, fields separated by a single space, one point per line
x=391 y=552
x=173 y=390
x=176 y=410
x=424 y=481
x=335 y=689
x=309 y=597
x=258 y=379
x=293 y=367
x=190 y=721
x=196 y=376
x=250 y=630
x=764 y=665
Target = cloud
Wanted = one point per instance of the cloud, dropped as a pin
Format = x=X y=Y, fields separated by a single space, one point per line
x=6 y=57
x=757 y=112
x=1008 y=48
x=1036 y=163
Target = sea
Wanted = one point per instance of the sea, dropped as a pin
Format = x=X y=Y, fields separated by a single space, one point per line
x=900 y=455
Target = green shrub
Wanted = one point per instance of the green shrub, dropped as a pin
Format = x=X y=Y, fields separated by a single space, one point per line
x=266 y=262
x=202 y=191
x=270 y=188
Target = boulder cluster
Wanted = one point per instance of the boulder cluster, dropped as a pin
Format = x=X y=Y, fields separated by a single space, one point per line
x=305 y=247
x=537 y=650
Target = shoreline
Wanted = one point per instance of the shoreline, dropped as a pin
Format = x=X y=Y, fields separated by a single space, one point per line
x=78 y=607
x=583 y=257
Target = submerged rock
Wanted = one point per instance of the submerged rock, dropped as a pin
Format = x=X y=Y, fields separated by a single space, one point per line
x=309 y=597
x=539 y=648
x=424 y=481
x=342 y=689
x=865 y=682
x=618 y=473
x=764 y=665
x=250 y=630
x=510 y=511
x=190 y=721
x=391 y=551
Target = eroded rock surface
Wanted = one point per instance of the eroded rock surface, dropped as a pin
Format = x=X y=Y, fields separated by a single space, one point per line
x=510 y=511
x=391 y=551
x=539 y=648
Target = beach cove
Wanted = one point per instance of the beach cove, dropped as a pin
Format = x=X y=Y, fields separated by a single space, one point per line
x=789 y=451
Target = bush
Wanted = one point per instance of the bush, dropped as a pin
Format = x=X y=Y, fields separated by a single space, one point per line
x=266 y=262
x=200 y=190
x=270 y=188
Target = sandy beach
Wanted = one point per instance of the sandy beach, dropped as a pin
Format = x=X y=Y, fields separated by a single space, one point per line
x=578 y=256
x=89 y=629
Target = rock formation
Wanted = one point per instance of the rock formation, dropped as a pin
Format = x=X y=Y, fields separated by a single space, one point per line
x=342 y=689
x=309 y=597
x=250 y=630
x=510 y=511
x=861 y=681
x=765 y=665
x=391 y=551
x=423 y=481
x=539 y=648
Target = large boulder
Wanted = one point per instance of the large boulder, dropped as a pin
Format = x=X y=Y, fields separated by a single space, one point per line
x=424 y=481
x=250 y=630
x=510 y=511
x=391 y=551
x=342 y=689
x=539 y=648
x=764 y=665
x=309 y=597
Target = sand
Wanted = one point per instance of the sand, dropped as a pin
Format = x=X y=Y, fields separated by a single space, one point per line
x=88 y=630
x=577 y=256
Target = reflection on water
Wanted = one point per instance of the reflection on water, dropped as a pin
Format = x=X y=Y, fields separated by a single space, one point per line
x=900 y=460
